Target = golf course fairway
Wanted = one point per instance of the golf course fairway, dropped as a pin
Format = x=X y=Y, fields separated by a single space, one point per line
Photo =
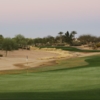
x=77 y=83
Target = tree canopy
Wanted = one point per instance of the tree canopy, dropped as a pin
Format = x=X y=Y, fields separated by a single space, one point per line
x=20 y=40
x=8 y=45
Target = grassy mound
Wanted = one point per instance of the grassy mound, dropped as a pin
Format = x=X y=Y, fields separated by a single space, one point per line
x=71 y=49
x=76 y=83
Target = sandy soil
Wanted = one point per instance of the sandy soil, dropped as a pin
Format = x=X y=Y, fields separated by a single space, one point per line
x=18 y=59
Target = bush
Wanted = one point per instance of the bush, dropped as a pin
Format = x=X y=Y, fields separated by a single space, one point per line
x=28 y=48
x=94 y=47
x=1 y=55
x=60 y=44
x=75 y=43
x=98 y=45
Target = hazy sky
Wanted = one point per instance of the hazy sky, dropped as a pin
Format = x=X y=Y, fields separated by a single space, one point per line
x=39 y=18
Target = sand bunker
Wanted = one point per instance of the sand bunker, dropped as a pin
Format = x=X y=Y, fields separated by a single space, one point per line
x=22 y=59
x=18 y=59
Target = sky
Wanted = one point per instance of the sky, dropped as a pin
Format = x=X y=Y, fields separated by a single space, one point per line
x=40 y=18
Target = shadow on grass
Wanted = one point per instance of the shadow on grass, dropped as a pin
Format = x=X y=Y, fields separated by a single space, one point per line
x=74 y=95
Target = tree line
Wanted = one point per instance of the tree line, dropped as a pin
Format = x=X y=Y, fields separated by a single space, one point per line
x=19 y=41
x=62 y=39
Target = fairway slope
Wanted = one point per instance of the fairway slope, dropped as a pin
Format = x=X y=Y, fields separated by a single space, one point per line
x=76 y=83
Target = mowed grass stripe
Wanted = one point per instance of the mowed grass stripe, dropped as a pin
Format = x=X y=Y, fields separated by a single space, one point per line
x=81 y=83
x=82 y=79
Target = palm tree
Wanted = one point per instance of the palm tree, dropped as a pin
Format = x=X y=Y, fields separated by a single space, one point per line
x=60 y=33
x=70 y=36
x=73 y=33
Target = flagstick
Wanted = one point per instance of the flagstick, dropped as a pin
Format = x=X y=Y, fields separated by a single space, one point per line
x=27 y=63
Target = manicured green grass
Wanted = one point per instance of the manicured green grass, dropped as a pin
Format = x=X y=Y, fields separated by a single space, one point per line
x=61 y=64
x=78 y=83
